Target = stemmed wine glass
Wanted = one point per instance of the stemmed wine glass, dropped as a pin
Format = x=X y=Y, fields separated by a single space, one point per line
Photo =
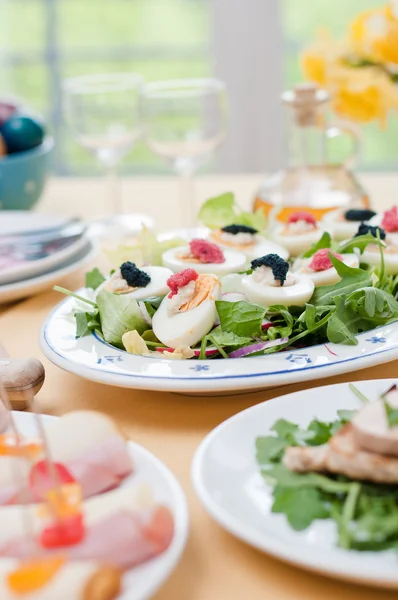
x=103 y=114
x=184 y=121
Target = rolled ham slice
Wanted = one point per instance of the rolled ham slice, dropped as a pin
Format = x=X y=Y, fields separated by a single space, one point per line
x=119 y=531
x=87 y=443
x=73 y=581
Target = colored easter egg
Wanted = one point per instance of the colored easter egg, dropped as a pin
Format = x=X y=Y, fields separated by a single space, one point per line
x=22 y=133
x=3 y=147
x=7 y=109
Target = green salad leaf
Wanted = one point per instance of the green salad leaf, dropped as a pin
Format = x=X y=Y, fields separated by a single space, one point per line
x=144 y=249
x=86 y=322
x=360 y=243
x=366 y=514
x=242 y=318
x=324 y=242
x=94 y=279
x=119 y=314
x=300 y=505
x=222 y=211
x=391 y=414
x=351 y=279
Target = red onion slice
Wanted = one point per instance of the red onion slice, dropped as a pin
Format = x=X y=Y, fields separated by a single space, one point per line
x=247 y=350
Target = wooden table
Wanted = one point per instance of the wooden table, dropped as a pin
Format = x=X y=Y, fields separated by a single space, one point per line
x=215 y=566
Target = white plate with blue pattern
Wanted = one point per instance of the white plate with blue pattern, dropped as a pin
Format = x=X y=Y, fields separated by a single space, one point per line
x=92 y=358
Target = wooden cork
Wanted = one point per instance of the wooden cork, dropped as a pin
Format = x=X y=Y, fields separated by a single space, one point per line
x=305 y=100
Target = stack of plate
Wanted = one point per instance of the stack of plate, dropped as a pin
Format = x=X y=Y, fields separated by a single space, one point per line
x=36 y=250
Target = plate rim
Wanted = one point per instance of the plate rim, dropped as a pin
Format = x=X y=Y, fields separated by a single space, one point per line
x=211 y=383
x=276 y=548
x=181 y=514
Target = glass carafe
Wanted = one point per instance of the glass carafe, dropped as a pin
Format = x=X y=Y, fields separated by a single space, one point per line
x=311 y=182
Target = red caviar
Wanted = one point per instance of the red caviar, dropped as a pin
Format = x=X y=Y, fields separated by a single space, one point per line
x=390 y=220
x=321 y=261
x=206 y=252
x=302 y=215
x=175 y=282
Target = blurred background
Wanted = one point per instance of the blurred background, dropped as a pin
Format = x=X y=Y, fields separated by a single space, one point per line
x=253 y=45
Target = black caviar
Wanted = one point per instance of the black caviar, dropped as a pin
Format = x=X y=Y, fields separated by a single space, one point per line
x=364 y=229
x=278 y=266
x=235 y=229
x=359 y=214
x=133 y=275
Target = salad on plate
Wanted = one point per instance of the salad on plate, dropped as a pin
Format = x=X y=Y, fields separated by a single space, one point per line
x=345 y=470
x=242 y=289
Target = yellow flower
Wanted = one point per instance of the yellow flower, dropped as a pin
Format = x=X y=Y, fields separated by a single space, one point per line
x=315 y=59
x=363 y=94
x=374 y=34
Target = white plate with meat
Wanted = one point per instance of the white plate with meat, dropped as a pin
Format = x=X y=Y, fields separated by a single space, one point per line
x=137 y=526
x=312 y=479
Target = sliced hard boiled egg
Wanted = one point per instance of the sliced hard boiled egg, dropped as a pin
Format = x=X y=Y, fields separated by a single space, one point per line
x=343 y=225
x=185 y=316
x=204 y=257
x=323 y=274
x=271 y=283
x=298 y=234
x=371 y=256
x=247 y=240
x=155 y=283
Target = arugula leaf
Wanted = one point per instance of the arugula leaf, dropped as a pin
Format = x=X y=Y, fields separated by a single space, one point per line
x=348 y=514
x=152 y=304
x=391 y=414
x=301 y=506
x=322 y=432
x=358 y=393
x=280 y=475
x=222 y=210
x=324 y=242
x=374 y=303
x=351 y=280
x=359 y=242
x=94 y=279
x=344 y=324
x=242 y=318
x=228 y=338
x=86 y=322
x=346 y=416
x=291 y=433
x=119 y=313
x=269 y=449
x=57 y=288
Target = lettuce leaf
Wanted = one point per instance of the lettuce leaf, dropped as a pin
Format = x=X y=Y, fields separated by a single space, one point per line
x=119 y=313
x=146 y=250
x=222 y=210
x=94 y=279
x=241 y=318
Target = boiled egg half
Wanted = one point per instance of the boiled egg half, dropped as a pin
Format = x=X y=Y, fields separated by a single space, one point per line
x=271 y=283
x=247 y=240
x=320 y=269
x=204 y=257
x=138 y=283
x=188 y=312
x=298 y=234
x=343 y=225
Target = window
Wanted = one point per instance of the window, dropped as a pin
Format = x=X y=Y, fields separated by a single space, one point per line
x=252 y=44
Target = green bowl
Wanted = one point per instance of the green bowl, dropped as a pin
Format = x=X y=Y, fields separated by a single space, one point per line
x=23 y=176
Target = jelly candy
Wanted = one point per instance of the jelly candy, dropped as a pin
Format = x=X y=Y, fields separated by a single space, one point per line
x=41 y=478
x=32 y=575
x=65 y=532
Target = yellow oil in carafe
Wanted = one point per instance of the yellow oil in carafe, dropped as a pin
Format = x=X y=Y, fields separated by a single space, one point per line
x=309 y=182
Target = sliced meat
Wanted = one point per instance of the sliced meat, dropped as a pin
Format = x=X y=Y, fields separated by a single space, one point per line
x=304 y=460
x=124 y=539
x=342 y=455
x=371 y=429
